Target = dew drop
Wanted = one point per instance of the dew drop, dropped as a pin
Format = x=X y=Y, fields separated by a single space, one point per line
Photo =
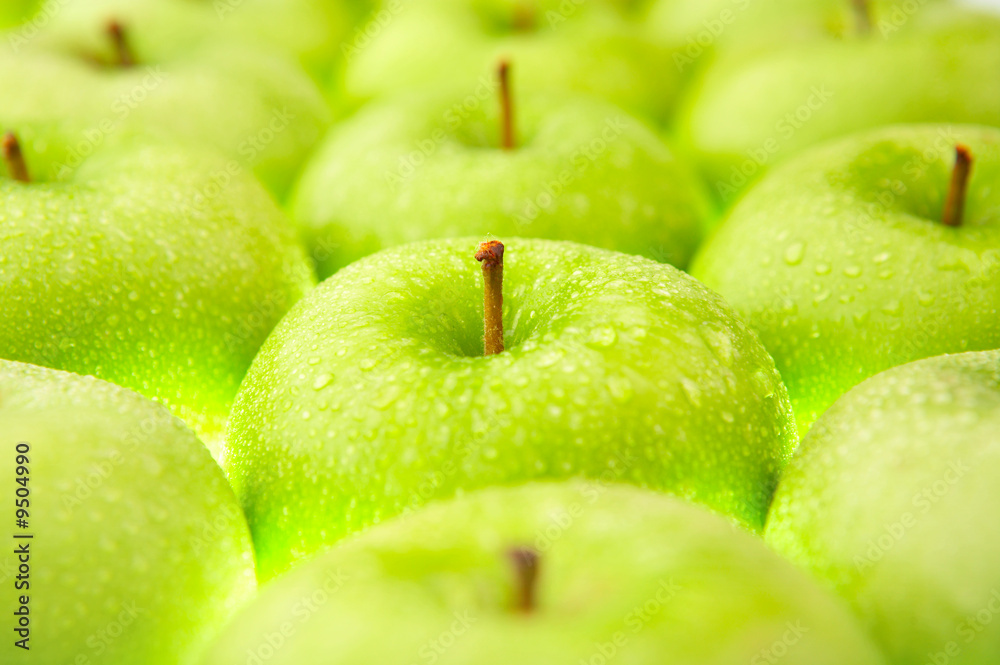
x=794 y=253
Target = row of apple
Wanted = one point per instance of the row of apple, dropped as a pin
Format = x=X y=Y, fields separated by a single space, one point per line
x=171 y=265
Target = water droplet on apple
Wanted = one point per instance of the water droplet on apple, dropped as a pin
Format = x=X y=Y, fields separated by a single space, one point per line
x=549 y=358
x=892 y=307
x=795 y=253
x=620 y=388
x=822 y=268
x=322 y=381
x=719 y=342
x=852 y=271
x=602 y=336
x=386 y=398
x=881 y=257
x=367 y=364
x=692 y=391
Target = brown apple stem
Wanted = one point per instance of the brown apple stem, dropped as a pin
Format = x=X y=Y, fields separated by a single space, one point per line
x=123 y=52
x=523 y=18
x=490 y=253
x=16 y=166
x=506 y=108
x=525 y=560
x=862 y=16
x=954 y=205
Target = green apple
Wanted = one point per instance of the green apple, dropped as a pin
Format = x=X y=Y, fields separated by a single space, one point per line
x=590 y=47
x=309 y=30
x=705 y=29
x=373 y=394
x=13 y=13
x=148 y=269
x=840 y=261
x=428 y=165
x=254 y=106
x=936 y=65
x=551 y=573
x=892 y=500
x=123 y=542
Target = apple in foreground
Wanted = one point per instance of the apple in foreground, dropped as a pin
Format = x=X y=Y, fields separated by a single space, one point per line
x=129 y=546
x=145 y=271
x=548 y=573
x=893 y=500
x=373 y=395
x=938 y=66
x=143 y=74
x=435 y=164
x=850 y=259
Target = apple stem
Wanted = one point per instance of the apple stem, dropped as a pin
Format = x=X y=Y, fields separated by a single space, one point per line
x=506 y=108
x=490 y=253
x=954 y=205
x=16 y=166
x=525 y=560
x=863 y=16
x=123 y=53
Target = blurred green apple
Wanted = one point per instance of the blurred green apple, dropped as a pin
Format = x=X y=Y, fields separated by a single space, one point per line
x=430 y=165
x=553 y=574
x=148 y=270
x=705 y=29
x=591 y=47
x=841 y=262
x=892 y=500
x=15 y=12
x=128 y=545
x=308 y=30
x=937 y=65
x=373 y=395
x=253 y=105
